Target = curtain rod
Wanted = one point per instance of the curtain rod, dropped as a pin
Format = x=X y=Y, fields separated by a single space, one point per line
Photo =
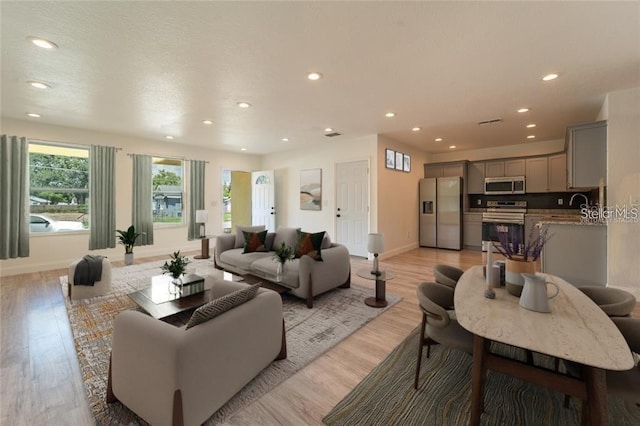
x=65 y=144
x=164 y=156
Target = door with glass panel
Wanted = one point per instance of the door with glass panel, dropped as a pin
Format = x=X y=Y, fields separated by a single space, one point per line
x=263 y=207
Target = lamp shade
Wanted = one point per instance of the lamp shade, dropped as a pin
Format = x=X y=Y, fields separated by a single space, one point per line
x=202 y=216
x=375 y=243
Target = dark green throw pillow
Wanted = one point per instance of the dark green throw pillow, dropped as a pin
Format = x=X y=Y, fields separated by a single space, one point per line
x=254 y=241
x=309 y=244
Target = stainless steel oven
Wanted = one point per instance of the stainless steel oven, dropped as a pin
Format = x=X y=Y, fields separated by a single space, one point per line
x=503 y=217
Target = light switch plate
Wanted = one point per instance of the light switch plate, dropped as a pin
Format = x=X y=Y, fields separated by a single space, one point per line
x=479 y=202
x=560 y=201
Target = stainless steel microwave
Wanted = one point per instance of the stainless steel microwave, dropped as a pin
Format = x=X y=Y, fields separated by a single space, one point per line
x=504 y=185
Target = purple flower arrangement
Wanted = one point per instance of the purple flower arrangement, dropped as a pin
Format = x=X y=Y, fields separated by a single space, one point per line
x=511 y=245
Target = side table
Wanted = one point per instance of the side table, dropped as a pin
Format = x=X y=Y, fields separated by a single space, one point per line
x=204 y=251
x=381 y=281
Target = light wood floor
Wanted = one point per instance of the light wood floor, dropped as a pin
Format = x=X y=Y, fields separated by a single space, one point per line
x=41 y=381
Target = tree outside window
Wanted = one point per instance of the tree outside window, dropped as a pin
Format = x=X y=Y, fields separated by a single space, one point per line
x=168 y=189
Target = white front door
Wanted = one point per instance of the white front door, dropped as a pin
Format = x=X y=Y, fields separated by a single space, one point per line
x=352 y=206
x=263 y=206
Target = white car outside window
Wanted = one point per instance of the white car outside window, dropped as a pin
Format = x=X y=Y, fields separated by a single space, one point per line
x=41 y=223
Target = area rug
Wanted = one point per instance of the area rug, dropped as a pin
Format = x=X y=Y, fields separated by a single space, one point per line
x=387 y=397
x=310 y=332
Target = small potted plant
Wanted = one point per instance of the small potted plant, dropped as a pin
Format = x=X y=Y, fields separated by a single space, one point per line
x=521 y=257
x=128 y=239
x=176 y=267
x=281 y=255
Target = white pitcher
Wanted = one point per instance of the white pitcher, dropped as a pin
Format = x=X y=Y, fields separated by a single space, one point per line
x=534 y=294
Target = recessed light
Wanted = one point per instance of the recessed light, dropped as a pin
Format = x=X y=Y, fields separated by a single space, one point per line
x=328 y=129
x=207 y=122
x=390 y=114
x=531 y=137
x=521 y=110
x=43 y=43
x=452 y=147
x=33 y=114
x=285 y=139
x=550 y=77
x=438 y=139
x=531 y=126
x=243 y=149
x=244 y=104
x=39 y=85
x=416 y=129
x=168 y=137
x=314 y=76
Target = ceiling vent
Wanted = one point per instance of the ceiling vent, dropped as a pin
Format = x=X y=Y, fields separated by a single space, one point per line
x=333 y=135
x=490 y=122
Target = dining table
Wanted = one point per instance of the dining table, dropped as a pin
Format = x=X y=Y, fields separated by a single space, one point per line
x=575 y=330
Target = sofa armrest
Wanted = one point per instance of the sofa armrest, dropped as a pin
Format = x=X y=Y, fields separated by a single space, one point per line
x=224 y=242
x=332 y=272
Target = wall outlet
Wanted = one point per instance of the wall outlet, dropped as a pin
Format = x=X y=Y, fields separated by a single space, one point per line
x=479 y=202
x=560 y=201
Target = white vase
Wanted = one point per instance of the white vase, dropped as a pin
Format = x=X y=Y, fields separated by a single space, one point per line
x=128 y=258
x=279 y=271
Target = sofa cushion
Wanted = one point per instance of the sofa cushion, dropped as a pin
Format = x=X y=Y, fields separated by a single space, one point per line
x=221 y=305
x=266 y=268
x=241 y=260
x=289 y=236
x=254 y=241
x=240 y=235
x=326 y=241
x=310 y=245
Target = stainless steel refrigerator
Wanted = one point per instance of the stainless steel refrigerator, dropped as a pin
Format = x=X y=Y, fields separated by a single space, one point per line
x=441 y=213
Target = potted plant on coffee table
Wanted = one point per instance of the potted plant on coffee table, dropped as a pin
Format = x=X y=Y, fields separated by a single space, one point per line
x=176 y=267
x=520 y=257
x=128 y=239
x=281 y=255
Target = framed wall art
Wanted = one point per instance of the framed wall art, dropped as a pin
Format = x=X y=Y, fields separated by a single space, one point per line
x=391 y=159
x=407 y=163
x=311 y=189
x=399 y=160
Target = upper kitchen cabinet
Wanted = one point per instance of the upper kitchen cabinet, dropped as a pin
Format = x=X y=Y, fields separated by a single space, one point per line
x=475 y=177
x=436 y=170
x=509 y=168
x=557 y=173
x=587 y=154
x=537 y=170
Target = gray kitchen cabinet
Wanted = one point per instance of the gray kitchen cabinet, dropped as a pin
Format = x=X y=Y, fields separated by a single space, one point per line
x=494 y=169
x=475 y=177
x=472 y=230
x=536 y=174
x=530 y=221
x=587 y=154
x=432 y=170
x=577 y=253
x=515 y=167
x=436 y=170
x=557 y=173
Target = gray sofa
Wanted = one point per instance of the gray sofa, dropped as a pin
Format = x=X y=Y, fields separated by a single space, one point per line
x=305 y=277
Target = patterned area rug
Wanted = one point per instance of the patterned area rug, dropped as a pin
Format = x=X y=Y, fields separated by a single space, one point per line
x=387 y=397
x=310 y=333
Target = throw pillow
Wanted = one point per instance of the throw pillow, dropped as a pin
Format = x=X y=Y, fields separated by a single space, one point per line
x=240 y=235
x=254 y=241
x=221 y=305
x=309 y=244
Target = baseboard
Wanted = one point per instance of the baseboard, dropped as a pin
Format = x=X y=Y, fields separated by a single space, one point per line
x=398 y=250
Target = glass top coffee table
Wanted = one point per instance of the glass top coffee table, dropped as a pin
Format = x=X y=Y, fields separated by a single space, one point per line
x=162 y=298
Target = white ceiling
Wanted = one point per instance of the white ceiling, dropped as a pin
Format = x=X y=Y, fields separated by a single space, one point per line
x=152 y=69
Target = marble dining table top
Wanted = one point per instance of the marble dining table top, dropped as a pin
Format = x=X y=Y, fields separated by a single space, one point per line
x=576 y=329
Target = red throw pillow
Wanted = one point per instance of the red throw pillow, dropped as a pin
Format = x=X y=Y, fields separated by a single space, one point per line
x=310 y=245
x=254 y=241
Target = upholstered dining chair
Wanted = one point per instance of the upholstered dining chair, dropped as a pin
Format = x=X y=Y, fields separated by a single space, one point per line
x=613 y=301
x=447 y=275
x=439 y=325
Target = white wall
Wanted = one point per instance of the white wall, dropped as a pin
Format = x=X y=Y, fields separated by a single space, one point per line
x=508 y=151
x=397 y=206
x=287 y=166
x=622 y=112
x=57 y=251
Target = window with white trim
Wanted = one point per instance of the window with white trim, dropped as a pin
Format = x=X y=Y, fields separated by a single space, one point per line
x=168 y=190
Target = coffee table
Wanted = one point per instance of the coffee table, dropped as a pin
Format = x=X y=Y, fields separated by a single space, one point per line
x=162 y=298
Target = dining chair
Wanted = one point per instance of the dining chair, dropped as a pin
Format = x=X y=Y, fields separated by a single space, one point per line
x=447 y=275
x=439 y=323
x=613 y=301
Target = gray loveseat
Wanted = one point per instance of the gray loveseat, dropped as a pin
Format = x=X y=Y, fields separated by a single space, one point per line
x=305 y=276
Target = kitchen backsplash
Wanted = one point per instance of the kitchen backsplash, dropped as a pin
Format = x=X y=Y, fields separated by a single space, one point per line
x=548 y=200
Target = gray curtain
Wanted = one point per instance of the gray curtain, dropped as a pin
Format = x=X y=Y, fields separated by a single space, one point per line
x=196 y=195
x=142 y=217
x=102 y=210
x=14 y=197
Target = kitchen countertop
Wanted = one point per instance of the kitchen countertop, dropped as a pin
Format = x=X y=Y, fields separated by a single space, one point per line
x=570 y=222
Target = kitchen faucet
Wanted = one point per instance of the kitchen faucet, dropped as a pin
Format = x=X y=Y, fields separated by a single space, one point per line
x=586 y=200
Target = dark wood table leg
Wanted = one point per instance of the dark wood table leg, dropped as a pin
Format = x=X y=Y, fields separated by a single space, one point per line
x=379 y=301
x=478 y=374
x=596 y=384
x=204 y=251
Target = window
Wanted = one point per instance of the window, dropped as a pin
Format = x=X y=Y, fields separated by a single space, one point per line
x=168 y=187
x=58 y=187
